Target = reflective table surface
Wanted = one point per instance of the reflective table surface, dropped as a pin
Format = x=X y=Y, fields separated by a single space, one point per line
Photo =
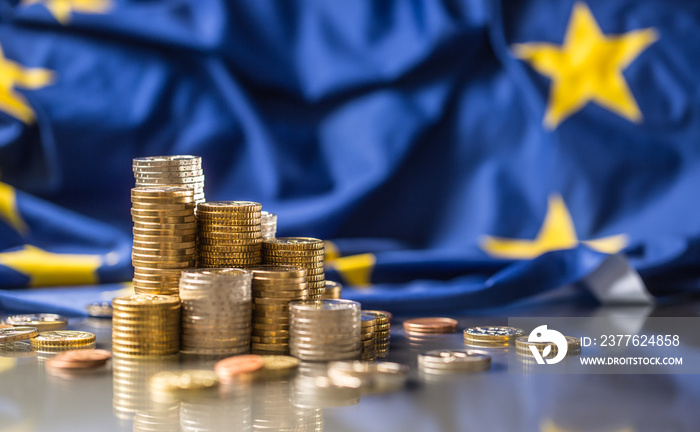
x=117 y=398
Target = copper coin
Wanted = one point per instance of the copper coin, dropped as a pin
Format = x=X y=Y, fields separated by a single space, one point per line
x=79 y=359
x=430 y=325
x=228 y=368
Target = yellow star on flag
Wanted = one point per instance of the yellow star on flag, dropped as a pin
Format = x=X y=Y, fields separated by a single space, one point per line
x=51 y=269
x=587 y=67
x=63 y=9
x=557 y=233
x=8 y=209
x=13 y=75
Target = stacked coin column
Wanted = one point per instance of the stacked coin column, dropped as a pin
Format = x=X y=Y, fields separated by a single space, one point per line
x=146 y=325
x=164 y=238
x=269 y=224
x=160 y=171
x=333 y=290
x=325 y=330
x=369 y=325
x=273 y=288
x=382 y=332
x=229 y=233
x=299 y=251
x=216 y=311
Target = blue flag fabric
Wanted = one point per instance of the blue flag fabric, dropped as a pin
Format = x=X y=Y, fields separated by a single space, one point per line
x=458 y=154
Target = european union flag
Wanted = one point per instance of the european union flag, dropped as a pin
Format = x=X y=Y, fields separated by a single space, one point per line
x=457 y=154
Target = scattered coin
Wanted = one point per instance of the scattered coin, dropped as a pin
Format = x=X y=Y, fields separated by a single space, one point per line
x=83 y=359
x=99 y=309
x=42 y=322
x=17 y=333
x=187 y=380
x=492 y=336
x=423 y=326
x=452 y=361
x=228 y=369
x=62 y=338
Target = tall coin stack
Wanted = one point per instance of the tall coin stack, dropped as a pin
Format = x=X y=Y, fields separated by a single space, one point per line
x=325 y=330
x=299 y=251
x=269 y=224
x=145 y=325
x=164 y=238
x=160 y=171
x=273 y=288
x=382 y=332
x=333 y=290
x=216 y=311
x=369 y=325
x=229 y=233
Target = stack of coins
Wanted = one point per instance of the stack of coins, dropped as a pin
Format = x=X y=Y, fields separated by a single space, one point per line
x=164 y=238
x=268 y=222
x=333 y=290
x=299 y=251
x=229 y=233
x=491 y=336
x=216 y=311
x=440 y=362
x=522 y=347
x=369 y=325
x=160 y=171
x=145 y=325
x=273 y=288
x=382 y=332
x=325 y=330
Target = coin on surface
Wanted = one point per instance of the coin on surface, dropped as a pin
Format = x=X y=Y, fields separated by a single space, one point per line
x=99 y=309
x=449 y=361
x=17 y=333
x=188 y=380
x=227 y=368
x=83 y=359
x=546 y=349
x=432 y=325
x=492 y=335
x=61 y=338
x=40 y=321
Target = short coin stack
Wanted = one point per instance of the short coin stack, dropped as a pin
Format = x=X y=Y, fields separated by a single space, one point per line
x=229 y=233
x=325 y=330
x=299 y=251
x=62 y=339
x=268 y=222
x=429 y=326
x=491 y=336
x=382 y=332
x=164 y=238
x=146 y=325
x=440 y=362
x=216 y=311
x=273 y=288
x=369 y=325
x=160 y=171
x=522 y=347
x=333 y=290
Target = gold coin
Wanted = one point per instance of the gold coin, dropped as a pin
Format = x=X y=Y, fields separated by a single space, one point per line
x=62 y=338
x=493 y=334
x=300 y=243
x=165 y=191
x=229 y=206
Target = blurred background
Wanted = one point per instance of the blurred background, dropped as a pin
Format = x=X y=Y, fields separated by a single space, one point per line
x=456 y=154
